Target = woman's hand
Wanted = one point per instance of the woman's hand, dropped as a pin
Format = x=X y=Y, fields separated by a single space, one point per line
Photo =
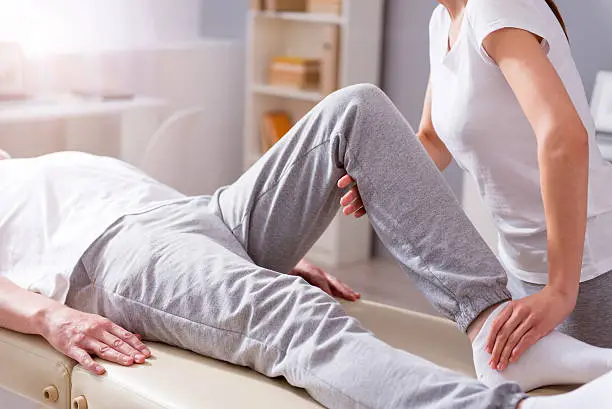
x=328 y=283
x=78 y=334
x=351 y=202
x=523 y=322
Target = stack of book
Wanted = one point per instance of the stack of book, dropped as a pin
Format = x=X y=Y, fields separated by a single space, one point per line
x=325 y=6
x=279 y=5
x=294 y=72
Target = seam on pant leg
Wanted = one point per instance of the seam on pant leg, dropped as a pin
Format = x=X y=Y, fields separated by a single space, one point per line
x=443 y=287
x=275 y=184
x=233 y=332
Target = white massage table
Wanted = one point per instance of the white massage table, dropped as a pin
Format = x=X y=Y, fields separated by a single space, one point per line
x=176 y=379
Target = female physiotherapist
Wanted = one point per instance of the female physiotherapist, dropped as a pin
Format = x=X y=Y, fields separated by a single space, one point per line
x=506 y=101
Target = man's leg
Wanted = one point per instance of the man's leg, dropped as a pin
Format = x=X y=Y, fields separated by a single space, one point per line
x=178 y=276
x=280 y=206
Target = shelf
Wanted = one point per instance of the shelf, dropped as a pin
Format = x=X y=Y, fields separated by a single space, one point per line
x=301 y=16
x=286 y=92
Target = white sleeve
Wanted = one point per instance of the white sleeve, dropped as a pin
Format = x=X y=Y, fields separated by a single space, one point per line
x=488 y=16
x=436 y=31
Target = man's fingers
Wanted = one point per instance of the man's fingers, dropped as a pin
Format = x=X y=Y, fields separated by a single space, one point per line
x=358 y=204
x=349 y=197
x=353 y=207
x=319 y=281
x=121 y=347
x=360 y=213
x=341 y=289
x=133 y=340
x=107 y=352
x=85 y=360
x=502 y=339
x=345 y=181
x=498 y=323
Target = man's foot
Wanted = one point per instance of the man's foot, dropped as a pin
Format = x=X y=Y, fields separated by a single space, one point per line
x=595 y=395
x=557 y=359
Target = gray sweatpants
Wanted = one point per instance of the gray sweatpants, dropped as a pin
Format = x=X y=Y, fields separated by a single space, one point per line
x=206 y=274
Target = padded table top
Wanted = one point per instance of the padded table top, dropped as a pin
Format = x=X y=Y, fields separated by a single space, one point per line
x=29 y=365
x=175 y=378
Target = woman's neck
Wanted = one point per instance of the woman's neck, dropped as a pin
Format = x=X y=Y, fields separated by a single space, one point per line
x=454 y=7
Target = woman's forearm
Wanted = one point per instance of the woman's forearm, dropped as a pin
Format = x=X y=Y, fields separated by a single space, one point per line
x=22 y=310
x=564 y=164
x=436 y=150
x=429 y=138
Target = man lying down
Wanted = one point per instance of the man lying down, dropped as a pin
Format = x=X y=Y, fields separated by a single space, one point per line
x=85 y=237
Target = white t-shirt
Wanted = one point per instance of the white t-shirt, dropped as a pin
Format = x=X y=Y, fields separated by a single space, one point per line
x=54 y=207
x=478 y=117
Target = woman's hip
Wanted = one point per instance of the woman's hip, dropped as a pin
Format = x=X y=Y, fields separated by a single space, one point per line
x=591 y=320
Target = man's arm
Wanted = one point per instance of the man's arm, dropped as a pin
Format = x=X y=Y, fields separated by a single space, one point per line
x=21 y=310
x=73 y=333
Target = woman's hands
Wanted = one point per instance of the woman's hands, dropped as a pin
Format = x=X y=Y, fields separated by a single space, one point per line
x=351 y=202
x=523 y=322
x=78 y=334
x=328 y=283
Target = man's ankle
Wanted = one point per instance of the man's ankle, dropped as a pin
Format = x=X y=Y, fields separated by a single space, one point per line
x=476 y=325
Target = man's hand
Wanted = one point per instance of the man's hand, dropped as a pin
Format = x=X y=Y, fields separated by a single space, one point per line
x=328 y=283
x=523 y=322
x=351 y=202
x=78 y=334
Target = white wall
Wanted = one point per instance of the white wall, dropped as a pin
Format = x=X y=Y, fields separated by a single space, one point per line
x=77 y=25
x=224 y=18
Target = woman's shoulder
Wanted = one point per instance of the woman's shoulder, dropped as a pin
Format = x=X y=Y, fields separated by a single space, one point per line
x=438 y=19
x=476 y=7
x=487 y=16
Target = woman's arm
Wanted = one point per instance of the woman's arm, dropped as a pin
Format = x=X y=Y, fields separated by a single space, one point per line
x=429 y=137
x=563 y=155
x=73 y=333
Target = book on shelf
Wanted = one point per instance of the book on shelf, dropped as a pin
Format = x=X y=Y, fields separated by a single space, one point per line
x=274 y=126
x=325 y=6
x=285 y=5
x=257 y=5
x=295 y=72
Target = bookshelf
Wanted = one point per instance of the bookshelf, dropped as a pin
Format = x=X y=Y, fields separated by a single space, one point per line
x=288 y=93
x=356 y=34
x=300 y=16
